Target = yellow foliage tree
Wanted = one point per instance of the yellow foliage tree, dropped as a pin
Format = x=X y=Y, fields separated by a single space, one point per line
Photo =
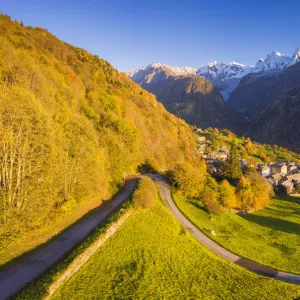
x=227 y=195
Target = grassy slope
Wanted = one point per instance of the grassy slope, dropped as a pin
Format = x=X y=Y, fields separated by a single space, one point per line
x=270 y=236
x=152 y=257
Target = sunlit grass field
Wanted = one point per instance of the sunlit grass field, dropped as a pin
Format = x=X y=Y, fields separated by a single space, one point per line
x=270 y=236
x=152 y=257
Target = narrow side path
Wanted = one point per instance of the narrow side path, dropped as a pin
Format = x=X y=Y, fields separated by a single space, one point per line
x=164 y=189
x=16 y=276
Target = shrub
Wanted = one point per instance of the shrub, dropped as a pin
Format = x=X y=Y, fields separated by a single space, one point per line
x=254 y=191
x=146 y=193
x=209 y=197
x=227 y=196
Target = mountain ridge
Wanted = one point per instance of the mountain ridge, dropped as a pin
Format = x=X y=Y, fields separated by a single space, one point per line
x=224 y=76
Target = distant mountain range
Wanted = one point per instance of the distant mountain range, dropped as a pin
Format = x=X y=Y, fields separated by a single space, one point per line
x=190 y=97
x=224 y=76
x=262 y=101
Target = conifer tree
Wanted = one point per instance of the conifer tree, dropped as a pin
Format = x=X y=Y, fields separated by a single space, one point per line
x=232 y=167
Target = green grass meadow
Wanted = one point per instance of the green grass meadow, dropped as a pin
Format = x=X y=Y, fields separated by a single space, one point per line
x=270 y=236
x=152 y=257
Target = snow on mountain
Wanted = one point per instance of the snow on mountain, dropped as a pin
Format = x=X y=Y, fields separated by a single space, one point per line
x=296 y=56
x=222 y=72
x=224 y=76
x=157 y=71
x=182 y=70
x=273 y=61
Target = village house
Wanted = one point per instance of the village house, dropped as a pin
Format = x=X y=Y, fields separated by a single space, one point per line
x=224 y=149
x=221 y=156
x=295 y=178
x=213 y=154
x=292 y=167
x=277 y=178
x=201 y=148
x=210 y=161
x=286 y=187
x=279 y=168
x=264 y=170
x=201 y=139
x=244 y=163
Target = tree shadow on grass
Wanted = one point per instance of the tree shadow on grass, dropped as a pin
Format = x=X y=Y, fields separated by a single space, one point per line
x=290 y=199
x=197 y=205
x=274 y=223
x=286 y=206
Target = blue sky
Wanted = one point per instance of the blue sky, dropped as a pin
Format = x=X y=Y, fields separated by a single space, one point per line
x=130 y=34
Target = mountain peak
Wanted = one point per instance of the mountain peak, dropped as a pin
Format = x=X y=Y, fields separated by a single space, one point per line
x=274 y=61
x=154 y=65
x=276 y=53
x=224 y=76
x=234 y=63
x=296 y=56
x=212 y=63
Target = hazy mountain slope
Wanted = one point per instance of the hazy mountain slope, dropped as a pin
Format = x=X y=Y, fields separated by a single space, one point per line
x=280 y=123
x=190 y=97
x=71 y=128
x=195 y=100
x=257 y=91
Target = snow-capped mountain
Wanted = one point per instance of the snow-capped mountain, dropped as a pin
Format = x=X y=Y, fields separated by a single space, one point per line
x=273 y=61
x=296 y=56
x=224 y=76
x=222 y=72
x=182 y=70
x=156 y=71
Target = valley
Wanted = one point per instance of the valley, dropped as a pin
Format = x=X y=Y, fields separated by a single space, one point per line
x=160 y=183
x=240 y=98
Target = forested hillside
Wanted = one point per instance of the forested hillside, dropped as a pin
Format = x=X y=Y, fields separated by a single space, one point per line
x=72 y=127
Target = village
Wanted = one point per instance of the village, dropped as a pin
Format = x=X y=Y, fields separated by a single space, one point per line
x=284 y=176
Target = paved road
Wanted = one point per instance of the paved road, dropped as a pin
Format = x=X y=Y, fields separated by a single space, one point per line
x=164 y=189
x=16 y=276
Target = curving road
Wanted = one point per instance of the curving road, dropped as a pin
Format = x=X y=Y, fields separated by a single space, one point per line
x=16 y=276
x=164 y=189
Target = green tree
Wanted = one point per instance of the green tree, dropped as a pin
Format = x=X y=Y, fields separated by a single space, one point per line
x=232 y=167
